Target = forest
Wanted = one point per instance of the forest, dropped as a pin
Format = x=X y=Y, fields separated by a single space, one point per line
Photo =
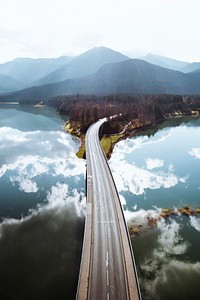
x=140 y=110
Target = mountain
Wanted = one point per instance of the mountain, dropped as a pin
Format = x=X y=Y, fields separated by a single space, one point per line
x=132 y=76
x=195 y=66
x=83 y=65
x=8 y=84
x=26 y=70
x=165 y=62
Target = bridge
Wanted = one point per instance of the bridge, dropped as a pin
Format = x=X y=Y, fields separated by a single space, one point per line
x=108 y=269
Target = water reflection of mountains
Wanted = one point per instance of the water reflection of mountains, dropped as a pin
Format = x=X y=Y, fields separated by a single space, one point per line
x=172 y=122
x=47 y=117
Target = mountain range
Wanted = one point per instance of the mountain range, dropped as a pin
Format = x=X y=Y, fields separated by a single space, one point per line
x=97 y=71
x=83 y=65
x=27 y=70
x=165 y=62
x=8 y=84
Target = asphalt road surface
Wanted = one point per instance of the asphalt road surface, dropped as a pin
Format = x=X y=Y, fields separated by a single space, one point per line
x=112 y=272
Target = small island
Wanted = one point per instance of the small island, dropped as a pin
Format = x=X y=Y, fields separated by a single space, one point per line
x=151 y=222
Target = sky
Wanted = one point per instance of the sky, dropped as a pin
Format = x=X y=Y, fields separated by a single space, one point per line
x=52 y=28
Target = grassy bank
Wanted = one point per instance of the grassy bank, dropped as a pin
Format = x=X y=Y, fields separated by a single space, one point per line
x=107 y=141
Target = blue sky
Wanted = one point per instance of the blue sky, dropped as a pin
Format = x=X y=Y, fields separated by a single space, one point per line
x=51 y=28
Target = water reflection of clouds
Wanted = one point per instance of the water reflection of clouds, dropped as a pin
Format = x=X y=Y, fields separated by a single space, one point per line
x=12 y=136
x=26 y=185
x=130 y=145
x=129 y=177
x=161 y=264
x=195 y=223
x=164 y=265
x=154 y=163
x=170 y=240
x=33 y=142
x=41 y=252
x=59 y=197
x=48 y=153
x=195 y=152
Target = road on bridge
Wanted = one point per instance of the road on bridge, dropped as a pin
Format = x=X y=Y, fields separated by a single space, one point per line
x=108 y=266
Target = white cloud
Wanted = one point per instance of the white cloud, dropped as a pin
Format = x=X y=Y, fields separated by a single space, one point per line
x=29 y=167
x=58 y=199
x=71 y=30
x=141 y=217
x=195 y=222
x=3 y=170
x=57 y=158
x=122 y=199
x=166 y=271
x=195 y=152
x=170 y=240
x=26 y=185
x=57 y=196
x=12 y=135
x=162 y=266
x=129 y=177
x=154 y=163
x=130 y=145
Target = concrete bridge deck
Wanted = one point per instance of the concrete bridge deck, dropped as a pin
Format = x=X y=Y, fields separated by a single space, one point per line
x=108 y=269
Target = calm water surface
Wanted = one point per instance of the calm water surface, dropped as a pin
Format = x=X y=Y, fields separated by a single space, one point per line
x=42 y=202
x=42 y=205
x=157 y=169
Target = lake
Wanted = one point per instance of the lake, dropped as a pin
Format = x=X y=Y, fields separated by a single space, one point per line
x=158 y=169
x=42 y=205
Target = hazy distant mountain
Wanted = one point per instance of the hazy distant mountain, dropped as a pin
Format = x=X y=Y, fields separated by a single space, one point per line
x=191 y=67
x=26 y=70
x=8 y=84
x=127 y=77
x=138 y=76
x=83 y=65
x=165 y=62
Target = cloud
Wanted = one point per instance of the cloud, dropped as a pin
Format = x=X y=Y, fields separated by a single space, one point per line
x=161 y=268
x=141 y=217
x=61 y=36
x=195 y=222
x=130 y=145
x=170 y=240
x=25 y=185
x=168 y=278
x=29 y=167
x=195 y=152
x=162 y=271
x=12 y=135
x=129 y=177
x=122 y=199
x=59 y=197
x=42 y=251
x=154 y=163
x=56 y=158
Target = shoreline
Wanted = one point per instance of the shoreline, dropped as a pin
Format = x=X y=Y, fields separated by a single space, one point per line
x=108 y=141
x=9 y=103
x=136 y=229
